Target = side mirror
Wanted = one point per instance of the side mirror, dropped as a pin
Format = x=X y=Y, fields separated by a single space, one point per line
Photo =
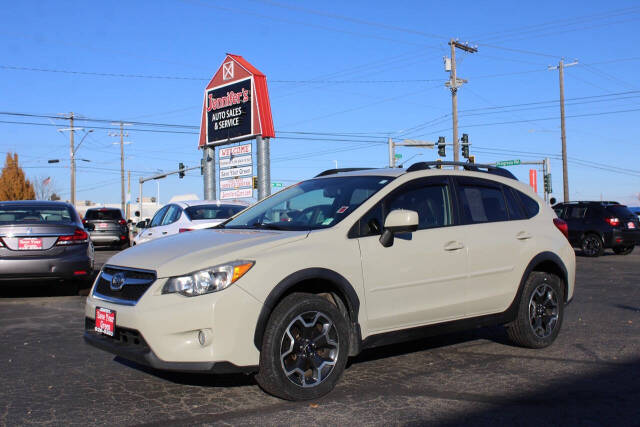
x=141 y=224
x=90 y=226
x=129 y=222
x=552 y=201
x=398 y=221
x=136 y=213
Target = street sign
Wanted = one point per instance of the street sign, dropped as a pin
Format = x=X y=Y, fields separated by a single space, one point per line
x=398 y=156
x=277 y=184
x=508 y=162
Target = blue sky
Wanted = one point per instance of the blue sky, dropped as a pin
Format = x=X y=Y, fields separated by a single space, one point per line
x=359 y=71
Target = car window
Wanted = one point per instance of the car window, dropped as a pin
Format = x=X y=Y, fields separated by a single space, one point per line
x=172 y=215
x=513 y=206
x=432 y=202
x=100 y=214
x=619 y=211
x=559 y=210
x=481 y=204
x=531 y=207
x=157 y=218
x=309 y=205
x=212 y=211
x=576 y=212
x=33 y=214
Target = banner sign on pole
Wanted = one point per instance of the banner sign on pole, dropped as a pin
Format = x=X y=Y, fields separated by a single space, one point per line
x=236 y=104
x=233 y=172
x=236 y=194
x=533 y=179
x=238 y=182
x=235 y=151
x=236 y=161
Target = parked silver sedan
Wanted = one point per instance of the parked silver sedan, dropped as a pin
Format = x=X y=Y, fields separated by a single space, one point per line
x=43 y=240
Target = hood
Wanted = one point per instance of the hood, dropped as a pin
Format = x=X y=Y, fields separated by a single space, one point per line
x=195 y=250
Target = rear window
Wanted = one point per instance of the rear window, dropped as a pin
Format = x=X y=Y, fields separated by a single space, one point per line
x=531 y=207
x=36 y=215
x=107 y=214
x=620 y=211
x=212 y=211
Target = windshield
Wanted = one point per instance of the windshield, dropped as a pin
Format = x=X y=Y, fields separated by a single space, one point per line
x=35 y=215
x=212 y=211
x=103 y=214
x=309 y=205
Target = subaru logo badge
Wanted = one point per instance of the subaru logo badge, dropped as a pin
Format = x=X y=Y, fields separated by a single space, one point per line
x=117 y=282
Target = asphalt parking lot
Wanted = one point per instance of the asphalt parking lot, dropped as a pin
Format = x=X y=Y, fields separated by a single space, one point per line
x=590 y=376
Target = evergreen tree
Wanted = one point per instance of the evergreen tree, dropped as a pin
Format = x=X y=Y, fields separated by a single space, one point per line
x=13 y=183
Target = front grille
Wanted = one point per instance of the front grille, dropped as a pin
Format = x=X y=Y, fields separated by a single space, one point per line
x=136 y=283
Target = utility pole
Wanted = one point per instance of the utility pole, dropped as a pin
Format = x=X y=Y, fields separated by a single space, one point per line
x=122 y=134
x=454 y=83
x=73 y=160
x=565 y=171
x=128 y=193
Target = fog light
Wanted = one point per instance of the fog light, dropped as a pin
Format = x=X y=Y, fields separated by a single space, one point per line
x=204 y=337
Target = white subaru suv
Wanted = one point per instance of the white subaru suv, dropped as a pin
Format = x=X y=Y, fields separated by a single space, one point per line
x=351 y=259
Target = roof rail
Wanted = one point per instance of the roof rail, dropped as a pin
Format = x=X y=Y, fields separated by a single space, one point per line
x=467 y=166
x=335 y=171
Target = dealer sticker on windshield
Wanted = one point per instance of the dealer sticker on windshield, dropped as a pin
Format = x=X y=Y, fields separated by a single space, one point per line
x=105 y=321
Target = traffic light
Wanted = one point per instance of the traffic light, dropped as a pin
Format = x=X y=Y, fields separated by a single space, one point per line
x=181 y=170
x=255 y=182
x=441 y=147
x=472 y=159
x=465 y=145
x=547 y=183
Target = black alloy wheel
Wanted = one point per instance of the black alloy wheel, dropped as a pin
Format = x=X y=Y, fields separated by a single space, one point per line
x=592 y=245
x=304 y=349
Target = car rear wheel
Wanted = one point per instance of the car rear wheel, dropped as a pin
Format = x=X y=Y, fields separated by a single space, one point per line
x=592 y=245
x=540 y=311
x=305 y=348
x=623 y=250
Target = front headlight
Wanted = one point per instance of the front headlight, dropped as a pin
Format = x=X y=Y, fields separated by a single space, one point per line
x=209 y=280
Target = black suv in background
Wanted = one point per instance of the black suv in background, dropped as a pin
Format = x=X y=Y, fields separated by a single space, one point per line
x=595 y=226
x=107 y=226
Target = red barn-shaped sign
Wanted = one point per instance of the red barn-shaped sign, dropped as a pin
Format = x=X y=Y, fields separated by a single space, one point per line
x=236 y=104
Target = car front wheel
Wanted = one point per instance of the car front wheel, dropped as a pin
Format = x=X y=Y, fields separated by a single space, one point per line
x=540 y=311
x=304 y=349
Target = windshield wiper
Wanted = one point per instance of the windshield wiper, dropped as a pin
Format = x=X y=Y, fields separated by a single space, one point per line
x=267 y=226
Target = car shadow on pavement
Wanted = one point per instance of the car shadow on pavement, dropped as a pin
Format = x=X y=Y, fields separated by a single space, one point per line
x=193 y=379
x=495 y=334
x=607 y=396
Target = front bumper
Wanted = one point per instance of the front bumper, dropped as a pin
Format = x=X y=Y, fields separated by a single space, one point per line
x=170 y=325
x=131 y=345
x=65 y=266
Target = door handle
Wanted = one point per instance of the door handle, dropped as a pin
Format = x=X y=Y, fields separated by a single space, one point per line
x=453 y=246
x=164 y=232
x=523 y=235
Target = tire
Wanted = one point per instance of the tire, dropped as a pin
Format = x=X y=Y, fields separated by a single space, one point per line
x=540 y=311
x=623 y=250
x=592 y=245
x=300 y=361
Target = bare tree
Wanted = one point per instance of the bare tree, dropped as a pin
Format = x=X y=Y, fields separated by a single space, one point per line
x=45 y=188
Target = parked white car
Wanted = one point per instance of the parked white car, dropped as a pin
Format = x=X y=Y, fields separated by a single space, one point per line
x=178 y=217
